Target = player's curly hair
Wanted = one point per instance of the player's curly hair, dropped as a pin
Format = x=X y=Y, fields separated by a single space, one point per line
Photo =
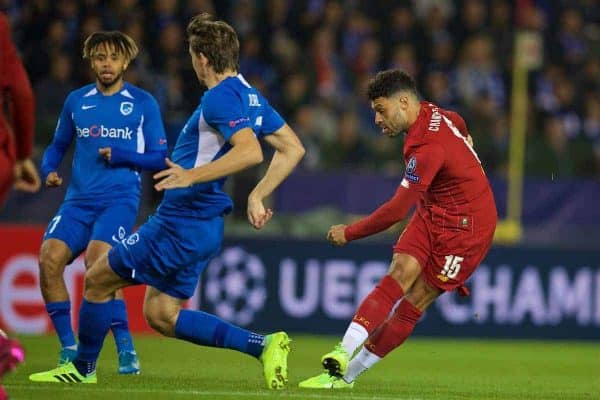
x=122 y=43
x=389 y=82
x=217 y=40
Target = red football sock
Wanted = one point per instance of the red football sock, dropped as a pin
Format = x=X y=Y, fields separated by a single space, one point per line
x=377 y=305
x=395 y=330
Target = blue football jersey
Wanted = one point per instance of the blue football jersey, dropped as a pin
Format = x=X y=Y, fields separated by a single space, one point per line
x=129 y=120
x=225 y=109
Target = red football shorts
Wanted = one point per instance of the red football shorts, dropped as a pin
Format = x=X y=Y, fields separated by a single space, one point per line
x=448 y=253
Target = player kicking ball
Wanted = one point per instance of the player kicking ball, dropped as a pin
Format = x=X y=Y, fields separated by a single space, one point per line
x=447 y=237
x=169 y=252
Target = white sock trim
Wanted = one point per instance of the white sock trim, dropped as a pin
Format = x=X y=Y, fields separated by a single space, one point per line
x=359 y=364
x=355 y=336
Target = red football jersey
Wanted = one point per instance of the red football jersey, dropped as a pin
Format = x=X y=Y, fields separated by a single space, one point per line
x=442 y=165
x=443 y=176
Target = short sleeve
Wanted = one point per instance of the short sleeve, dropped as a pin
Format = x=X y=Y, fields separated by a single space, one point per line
x=271 y=120
x=224 y=111
x=422 y=165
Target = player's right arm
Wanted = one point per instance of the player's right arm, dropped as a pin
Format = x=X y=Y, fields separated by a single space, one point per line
x=225 y=112
x=422 y=166
x=63 y=135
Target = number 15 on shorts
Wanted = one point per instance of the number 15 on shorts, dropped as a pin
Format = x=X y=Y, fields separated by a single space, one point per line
x=451 y=268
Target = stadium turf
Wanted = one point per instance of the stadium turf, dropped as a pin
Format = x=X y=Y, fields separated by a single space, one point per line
x=421 y=369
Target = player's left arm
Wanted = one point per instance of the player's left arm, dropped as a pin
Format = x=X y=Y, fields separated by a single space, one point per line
x=422 y=166
x=152 y=157
x=288 y=153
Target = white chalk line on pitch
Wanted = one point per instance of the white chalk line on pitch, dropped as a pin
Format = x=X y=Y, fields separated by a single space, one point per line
x=310 y=393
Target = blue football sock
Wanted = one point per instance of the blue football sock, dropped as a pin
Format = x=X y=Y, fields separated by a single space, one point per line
x=208 y=330
x=60 y=314
x=94 y=323
x=119 y=326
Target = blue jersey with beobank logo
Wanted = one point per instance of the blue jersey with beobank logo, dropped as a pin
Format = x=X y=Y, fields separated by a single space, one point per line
x=224 y=110
x=128 y=120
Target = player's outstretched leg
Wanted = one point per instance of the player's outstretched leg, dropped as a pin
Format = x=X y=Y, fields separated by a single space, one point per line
x=208 y=330
x=274 y=360
x=336 y=361
x=128 y=358
x=325 y=381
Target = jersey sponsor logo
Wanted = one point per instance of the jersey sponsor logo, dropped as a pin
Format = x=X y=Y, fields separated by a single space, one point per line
x=162 y=141
x=95 y=131
x=235 y=122
x=126 y=107
x=86 y=107
x=411 y=170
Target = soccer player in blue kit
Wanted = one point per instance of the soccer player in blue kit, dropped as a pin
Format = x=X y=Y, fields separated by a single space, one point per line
x=169 y=252
x=118 y=131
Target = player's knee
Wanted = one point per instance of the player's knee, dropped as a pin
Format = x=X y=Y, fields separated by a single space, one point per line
x=404 y=269
x=95 y=287
x=160 y=321
x=51 y=266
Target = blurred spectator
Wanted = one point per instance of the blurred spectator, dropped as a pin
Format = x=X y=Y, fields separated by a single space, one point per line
x=477 y=72
x=348 y=150
x=549 y=156
x=51 y=93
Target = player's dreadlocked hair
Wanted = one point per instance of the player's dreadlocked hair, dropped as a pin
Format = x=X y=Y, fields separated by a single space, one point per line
x=122 y=43
x=216 y=40
x=390 y=82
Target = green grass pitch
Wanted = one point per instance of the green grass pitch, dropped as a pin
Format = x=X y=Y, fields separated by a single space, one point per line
x=421 y=369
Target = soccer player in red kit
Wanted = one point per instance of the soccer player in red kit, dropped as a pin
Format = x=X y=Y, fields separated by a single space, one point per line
x=16 y=166
x=447 y=237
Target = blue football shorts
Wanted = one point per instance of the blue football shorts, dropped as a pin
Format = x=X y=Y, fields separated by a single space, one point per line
x=168 y=253
x=78 y=222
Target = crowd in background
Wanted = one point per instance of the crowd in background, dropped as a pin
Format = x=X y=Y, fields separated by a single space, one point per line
x=313 y=59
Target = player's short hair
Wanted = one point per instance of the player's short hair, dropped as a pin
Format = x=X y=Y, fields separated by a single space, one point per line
x=217 y=40
x=122 y=43
x=389 y=82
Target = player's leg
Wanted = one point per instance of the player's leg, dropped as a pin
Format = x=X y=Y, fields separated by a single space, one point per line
x=455 y=256
x=410 y=253
x=95 y=316
x=64 y=239
x=164 y=314
x=113 y=225
x=373 y=311
x=128 y=359
x=395 y=330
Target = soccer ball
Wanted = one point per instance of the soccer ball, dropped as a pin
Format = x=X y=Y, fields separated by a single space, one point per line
x=235 y=285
